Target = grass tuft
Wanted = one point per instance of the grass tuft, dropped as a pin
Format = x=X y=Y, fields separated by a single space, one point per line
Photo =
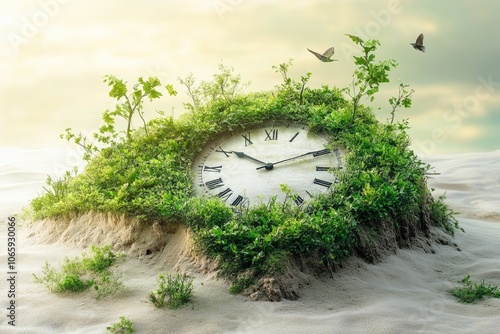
x=124 y=326
x=78 y=274
x=471 y=292
x=173 y=291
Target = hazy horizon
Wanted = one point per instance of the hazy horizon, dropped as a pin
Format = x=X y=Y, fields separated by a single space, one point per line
x=54 y=55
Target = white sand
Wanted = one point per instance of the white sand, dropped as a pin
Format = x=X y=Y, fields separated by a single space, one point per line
x=406 y=293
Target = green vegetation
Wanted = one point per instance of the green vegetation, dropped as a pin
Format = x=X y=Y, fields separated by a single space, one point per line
x=124 y=326
x=470 y=291
x=78 y=274
x=241 y=284
x=146 y=172
x=173 y=291
x=132 y=104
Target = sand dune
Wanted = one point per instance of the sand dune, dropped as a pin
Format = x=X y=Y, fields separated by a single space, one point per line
x=405 y=293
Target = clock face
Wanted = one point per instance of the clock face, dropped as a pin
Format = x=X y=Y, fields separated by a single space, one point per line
x=249 y=166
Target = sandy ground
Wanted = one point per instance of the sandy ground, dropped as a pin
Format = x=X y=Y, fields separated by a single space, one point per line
x=405 y=293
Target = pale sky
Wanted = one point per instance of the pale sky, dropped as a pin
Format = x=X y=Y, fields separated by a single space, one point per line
x=54 y=54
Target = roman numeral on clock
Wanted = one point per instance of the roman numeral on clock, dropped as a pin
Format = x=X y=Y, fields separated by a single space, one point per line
x=213 y=184
x=225 y=194
x=298 y=200
x=221 y=150
x=338 y=155
x=271 y=134
x=215 y=169
x=322 y=152
x=322 y=183
x=237 y=201
x=247 y=139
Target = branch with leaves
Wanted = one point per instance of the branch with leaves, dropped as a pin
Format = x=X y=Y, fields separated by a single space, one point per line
x=290 y=86
x=369 y=74
x=403 y=99
x=133 y=101
x=132 y=104
x=224 y=87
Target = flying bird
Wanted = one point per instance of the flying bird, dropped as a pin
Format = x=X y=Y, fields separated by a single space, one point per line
x=326 y=56
x=419 y=43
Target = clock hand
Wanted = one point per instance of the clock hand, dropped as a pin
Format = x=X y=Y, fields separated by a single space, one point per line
x=243 y=155
x=269 y=166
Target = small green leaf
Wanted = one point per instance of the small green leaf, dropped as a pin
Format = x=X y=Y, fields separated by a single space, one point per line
x=355 y=39
x=119 y=88
x=170 y=89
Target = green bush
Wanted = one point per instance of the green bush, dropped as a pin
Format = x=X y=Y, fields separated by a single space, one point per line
x=445 y=217
x=203 y=213
x=173 y=291
x=100 y=259
x=106 y=283
x=470 y=291
x=77 y=275
x=72 y=283
x=124 y=326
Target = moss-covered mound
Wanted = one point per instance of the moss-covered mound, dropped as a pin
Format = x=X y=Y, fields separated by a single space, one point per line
x=381 y=202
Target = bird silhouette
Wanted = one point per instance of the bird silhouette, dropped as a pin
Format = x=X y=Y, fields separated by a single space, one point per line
x=419 y=43
x=326 y=56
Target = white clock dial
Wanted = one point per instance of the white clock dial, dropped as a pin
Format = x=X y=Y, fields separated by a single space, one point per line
x=250 y=166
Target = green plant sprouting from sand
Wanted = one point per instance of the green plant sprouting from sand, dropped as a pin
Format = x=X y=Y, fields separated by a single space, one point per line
x=79 y=274
x=471 y=292
x=124 y=326
x=173 y=291
x=145 y=173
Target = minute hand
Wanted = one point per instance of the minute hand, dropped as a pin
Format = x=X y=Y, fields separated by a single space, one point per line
x=314 y=153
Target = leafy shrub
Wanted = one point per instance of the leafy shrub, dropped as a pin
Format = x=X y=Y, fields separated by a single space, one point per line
x=79 y=274
x=106 y=283
x=445 y=216
x=73 y=283
x=202 y=213
x=124 y=326
x=173 y=291
x=101 y=258
x=470 y=291
x=68 y=278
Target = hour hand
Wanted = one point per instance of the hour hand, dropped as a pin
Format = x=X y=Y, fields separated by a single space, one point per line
x=243 y=155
